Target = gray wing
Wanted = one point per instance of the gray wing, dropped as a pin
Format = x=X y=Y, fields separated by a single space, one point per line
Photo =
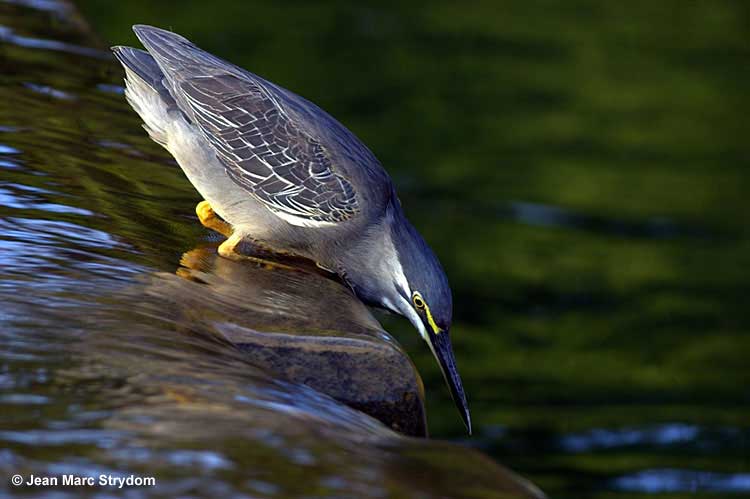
x=261 y=147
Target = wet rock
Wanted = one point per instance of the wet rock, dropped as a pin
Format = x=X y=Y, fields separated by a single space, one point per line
x=301 y=326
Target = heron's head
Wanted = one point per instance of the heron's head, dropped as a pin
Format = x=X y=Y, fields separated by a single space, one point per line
x=422 y=294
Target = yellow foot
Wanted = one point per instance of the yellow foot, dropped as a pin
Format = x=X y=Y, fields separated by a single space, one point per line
x=228 y=250
x=210 y=220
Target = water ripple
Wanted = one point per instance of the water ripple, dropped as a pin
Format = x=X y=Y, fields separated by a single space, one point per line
x=47 y=5
x=10 y=197
x=48 y=231
x=100 y=438
x=542 y=215
x=23 y=399
x=601 y=438
x=8 y=36
x=47 y=90
x=10 y=165
x=8 y=150
x=668 y=480
x=112 y=89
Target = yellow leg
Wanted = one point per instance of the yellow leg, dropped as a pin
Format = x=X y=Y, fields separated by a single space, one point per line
x=210 y=220
x=227 y=249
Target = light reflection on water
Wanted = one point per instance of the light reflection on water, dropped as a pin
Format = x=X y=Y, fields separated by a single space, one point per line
x=8 y=150
x=604 y=439
x=20 y=197
x=553 y=216
x=7 y=35
x=660 y=481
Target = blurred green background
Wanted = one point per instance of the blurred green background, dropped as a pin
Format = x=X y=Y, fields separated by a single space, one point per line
x=580 y=168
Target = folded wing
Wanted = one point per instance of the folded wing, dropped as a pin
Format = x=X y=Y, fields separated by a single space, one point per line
x=261 y=147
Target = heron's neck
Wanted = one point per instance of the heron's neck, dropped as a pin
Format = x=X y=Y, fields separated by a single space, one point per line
x=380 y=274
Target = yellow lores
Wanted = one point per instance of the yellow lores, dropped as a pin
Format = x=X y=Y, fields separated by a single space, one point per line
x=422 y=306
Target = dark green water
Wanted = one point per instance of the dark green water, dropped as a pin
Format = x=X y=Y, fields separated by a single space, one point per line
x=581 y=168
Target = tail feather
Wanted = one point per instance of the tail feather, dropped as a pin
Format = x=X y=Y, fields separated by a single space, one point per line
x=141 y=63
x=145 y=91
x=145 y=67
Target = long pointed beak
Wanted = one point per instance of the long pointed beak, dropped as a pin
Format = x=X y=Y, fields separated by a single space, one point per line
x=440 y=344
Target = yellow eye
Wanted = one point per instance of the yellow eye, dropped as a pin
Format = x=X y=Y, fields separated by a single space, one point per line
x=418 y=302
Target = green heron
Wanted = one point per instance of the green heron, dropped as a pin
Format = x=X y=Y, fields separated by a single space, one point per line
x=281 y=172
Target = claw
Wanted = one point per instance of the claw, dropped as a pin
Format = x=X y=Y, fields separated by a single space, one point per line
x=228 y=250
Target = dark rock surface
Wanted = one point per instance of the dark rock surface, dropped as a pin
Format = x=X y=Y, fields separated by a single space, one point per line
x=302 y=326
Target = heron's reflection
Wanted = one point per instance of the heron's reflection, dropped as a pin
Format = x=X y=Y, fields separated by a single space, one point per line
x=294 y=321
